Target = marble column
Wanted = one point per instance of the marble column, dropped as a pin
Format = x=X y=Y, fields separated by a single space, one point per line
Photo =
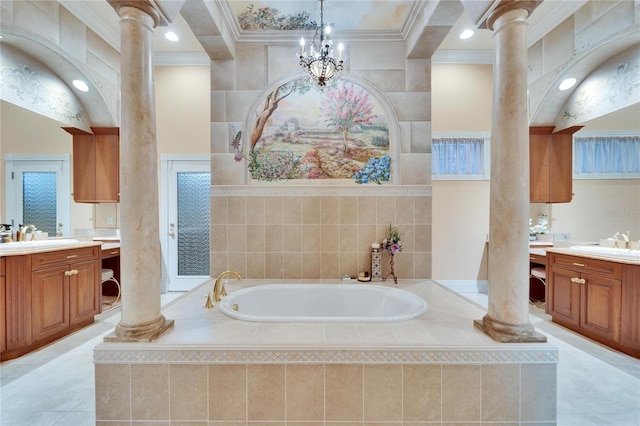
x=140 y=251
x=507 y=319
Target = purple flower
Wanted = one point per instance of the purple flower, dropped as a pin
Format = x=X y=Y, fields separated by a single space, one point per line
x=238 y=156
x=235 y=144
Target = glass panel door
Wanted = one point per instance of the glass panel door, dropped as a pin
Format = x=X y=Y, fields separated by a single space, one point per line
x=38 y=192
x=39 y=201
x=187 y=185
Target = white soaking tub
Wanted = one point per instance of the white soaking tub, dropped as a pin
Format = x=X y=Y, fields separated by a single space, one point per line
x=322 y=303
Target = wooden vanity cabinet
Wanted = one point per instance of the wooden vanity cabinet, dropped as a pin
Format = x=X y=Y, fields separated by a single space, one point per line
x=64 y=290
x=96 y=164
x=596 y=298
x=49 y=295
x=550 y=164
x=630 y=321
x=3 y=309
x=17 y=299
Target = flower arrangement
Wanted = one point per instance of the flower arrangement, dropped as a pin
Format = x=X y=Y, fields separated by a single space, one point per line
x=376 y=170
x=392 y=243
x=539 y=228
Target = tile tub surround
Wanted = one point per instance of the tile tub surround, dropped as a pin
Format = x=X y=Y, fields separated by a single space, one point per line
x=317 y=231
x=435 y=369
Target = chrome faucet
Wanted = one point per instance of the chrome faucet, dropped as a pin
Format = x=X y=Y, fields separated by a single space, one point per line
x=218 y=288
x=23 y=232
x=625 y=239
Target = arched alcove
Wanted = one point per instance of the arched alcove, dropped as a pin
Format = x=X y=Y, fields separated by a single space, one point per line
x=295 y=130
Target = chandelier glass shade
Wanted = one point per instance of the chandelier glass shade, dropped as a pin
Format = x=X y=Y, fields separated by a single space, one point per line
x=319 y=62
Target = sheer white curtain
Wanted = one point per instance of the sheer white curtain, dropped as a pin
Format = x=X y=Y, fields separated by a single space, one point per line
x=457 y=156
x=607 y=154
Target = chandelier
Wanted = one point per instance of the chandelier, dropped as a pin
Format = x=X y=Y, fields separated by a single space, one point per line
x=319 y=62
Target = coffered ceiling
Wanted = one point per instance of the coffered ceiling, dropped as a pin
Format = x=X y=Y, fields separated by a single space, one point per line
x=279 y=21
x=351 y=19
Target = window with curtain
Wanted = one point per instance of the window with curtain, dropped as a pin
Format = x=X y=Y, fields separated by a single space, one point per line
x=598 y=157
x=463 y=158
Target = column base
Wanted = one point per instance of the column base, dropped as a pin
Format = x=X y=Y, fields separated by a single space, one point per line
x=147 y=332
x=509 y=333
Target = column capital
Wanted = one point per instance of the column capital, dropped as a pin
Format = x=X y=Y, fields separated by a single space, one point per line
x=503 y=6
x=146 y=6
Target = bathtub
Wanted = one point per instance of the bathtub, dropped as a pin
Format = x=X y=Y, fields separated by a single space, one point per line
x=322 y=303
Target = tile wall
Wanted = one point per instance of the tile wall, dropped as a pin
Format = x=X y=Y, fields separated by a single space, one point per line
x=433 y=394
x=324 y=234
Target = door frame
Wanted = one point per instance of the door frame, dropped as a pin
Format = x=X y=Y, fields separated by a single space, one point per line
x=58 y=163
x=168 y=163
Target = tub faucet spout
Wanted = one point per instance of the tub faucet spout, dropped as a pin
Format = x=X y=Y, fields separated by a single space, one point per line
x=218 y=288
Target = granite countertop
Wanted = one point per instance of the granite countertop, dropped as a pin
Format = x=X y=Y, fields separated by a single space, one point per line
x=599 y=256
x=110 y=245
x=40 y=246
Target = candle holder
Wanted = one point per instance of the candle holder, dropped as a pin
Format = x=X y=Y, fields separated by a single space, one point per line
x=376 y=262
x=392 y=245
x=392 y=272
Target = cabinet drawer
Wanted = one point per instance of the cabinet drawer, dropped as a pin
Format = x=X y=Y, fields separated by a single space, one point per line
x=111 y=253
x=44 y=260
x=536 y=258
x=578 y=263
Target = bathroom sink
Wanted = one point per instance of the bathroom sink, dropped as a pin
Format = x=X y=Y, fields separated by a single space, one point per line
x=26 y=245
x=608 y=251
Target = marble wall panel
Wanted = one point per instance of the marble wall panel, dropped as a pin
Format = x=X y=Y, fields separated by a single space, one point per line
x=73 y=35
x=368 y=56
x=558 y=46
x=411 y=106
x=223 y=76
x=251 y=67
x=418 y=75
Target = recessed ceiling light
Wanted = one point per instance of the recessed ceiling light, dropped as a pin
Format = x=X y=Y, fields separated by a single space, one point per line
x=466 y=34
x=567 y=84
x=81 y=85
x=171 y=36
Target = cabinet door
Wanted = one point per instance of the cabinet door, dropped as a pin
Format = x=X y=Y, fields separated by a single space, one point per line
x=107 y=166
x=49 y=302
x=96 y=162
x=3 y=310
x=17 y=299
x=84 y=295
x=84 y=168
x=600 y=306
x=550 y=168
x=564 y=297
x=539 y=153
x=630 y=309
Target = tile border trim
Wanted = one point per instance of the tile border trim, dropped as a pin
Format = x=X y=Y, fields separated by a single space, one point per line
x=106 y=353
x=285 y=190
